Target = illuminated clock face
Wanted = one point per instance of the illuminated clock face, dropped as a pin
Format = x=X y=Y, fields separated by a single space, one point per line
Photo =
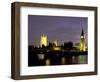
x=82 y=36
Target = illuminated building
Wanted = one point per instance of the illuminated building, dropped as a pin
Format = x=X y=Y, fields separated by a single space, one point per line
x=55 y=46
x=43 y=41
x=82 y=41
x=56 y=43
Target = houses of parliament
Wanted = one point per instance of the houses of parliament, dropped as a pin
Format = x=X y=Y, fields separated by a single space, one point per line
x=81 y=46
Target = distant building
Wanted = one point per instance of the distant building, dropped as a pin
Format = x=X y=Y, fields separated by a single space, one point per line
x=56 y=43
x=43 y=40
x=82 y=41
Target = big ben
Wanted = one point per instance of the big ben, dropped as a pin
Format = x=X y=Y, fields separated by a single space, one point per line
x=82 y=41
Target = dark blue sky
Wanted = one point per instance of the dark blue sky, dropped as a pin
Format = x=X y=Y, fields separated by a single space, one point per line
x=58 y=28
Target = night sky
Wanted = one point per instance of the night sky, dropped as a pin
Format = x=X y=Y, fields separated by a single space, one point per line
x=60 y=28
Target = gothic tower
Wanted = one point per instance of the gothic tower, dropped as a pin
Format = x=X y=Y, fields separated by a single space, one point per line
x=43 y=40
x=82 y=41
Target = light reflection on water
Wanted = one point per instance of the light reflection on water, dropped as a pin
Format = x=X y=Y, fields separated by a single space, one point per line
x=41 y=56
x=82 y=59
x=63 y=60
x=47 y=62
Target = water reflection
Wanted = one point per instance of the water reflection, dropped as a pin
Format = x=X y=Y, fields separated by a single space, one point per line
x=63 y=60
x=40 y=56
x=47 y=62
x=55 y=59
x=82 y=59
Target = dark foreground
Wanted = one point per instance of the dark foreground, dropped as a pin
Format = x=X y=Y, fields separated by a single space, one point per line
x=43 y=57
